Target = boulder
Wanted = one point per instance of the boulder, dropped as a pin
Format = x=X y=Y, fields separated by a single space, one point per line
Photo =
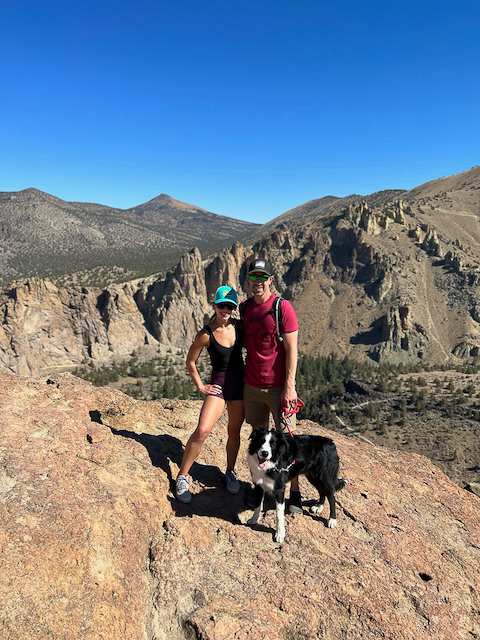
x=94 y=545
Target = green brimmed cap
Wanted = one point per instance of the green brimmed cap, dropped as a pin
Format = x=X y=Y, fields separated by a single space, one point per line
x=226 y=294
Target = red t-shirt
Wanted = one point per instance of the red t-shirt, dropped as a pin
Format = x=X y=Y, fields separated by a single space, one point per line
x=265 y=366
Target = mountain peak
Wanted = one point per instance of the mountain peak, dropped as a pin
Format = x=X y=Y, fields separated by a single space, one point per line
x=43 y=235
x=164 y=201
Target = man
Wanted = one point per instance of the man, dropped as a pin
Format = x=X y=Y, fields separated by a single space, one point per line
x=271 y=364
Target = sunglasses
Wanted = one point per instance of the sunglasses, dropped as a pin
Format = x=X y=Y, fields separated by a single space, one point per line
x=225 y=305
x=264 y=277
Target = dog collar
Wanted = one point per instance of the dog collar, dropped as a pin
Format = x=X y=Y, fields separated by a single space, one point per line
x=285 y=468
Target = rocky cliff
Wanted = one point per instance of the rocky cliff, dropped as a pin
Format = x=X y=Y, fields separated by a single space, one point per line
x=93 y=544
x=46 y=328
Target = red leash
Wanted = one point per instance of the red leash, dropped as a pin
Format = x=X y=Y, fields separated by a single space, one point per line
x=287 y=413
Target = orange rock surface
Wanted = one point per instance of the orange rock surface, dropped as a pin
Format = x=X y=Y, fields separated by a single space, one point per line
x=93 y=544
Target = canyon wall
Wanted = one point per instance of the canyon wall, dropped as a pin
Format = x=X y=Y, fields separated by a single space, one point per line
x=369 y=282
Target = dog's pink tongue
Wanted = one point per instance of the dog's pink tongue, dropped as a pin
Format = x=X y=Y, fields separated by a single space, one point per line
x=262 y=464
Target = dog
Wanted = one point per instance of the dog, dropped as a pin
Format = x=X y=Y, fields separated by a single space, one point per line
x=275 y=458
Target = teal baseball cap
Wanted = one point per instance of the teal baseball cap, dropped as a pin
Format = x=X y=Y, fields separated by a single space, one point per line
x=226 y=294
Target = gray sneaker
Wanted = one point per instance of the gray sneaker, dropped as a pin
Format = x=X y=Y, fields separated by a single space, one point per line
x=181 y=490
x=233 y=486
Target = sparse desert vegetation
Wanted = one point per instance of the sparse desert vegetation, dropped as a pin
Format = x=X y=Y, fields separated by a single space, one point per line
x=151 y=379
x=433 y=411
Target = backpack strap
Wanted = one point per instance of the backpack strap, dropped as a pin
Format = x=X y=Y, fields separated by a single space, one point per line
x=277 y=314
x=276 y=311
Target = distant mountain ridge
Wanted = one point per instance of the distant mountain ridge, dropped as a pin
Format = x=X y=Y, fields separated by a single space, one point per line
x=391 y=276
x=323 y=207
x=42 y=235
x=383 y=277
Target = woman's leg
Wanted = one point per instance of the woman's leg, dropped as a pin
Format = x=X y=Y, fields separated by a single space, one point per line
x=235 y=420
x=210 y=413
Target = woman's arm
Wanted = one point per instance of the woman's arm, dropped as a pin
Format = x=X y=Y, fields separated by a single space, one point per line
x=202 y=339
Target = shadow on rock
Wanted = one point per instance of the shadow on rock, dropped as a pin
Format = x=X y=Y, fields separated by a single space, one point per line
x=213 y=501
x=161 y=448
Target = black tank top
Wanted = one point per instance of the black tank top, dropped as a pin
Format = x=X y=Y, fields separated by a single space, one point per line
x=225 y=358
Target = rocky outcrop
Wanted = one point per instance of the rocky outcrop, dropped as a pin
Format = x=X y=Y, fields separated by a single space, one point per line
x=458 y=262
x=428 y=239
x=45 y=328
x=475 y=311
x=94 y=546
x=122 y=320
x=35 y=328
x=375 y=220
x=228 y=267
x=400 y=333
x=432 y=244
x=359 y=262
x=175 y=307
x=467 y=349
x=396 y=211
x=360 y=214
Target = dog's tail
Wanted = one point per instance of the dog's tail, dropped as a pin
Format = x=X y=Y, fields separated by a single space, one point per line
x=341 y=483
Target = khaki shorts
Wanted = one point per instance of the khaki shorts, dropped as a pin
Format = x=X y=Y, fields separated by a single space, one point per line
x=260 y=403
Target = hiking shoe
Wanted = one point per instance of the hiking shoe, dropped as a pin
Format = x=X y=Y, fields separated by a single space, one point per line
x=295 y=504
x=233 y=486
x=181 y=490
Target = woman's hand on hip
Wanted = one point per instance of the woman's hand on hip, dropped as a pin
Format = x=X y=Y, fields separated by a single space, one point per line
x=211 y=389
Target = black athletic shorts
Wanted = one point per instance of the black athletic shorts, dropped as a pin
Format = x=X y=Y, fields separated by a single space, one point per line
x=231 y=383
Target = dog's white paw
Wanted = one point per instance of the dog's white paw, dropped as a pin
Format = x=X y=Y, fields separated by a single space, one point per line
x=316 y=508
x=332 y=523
x=280 y=536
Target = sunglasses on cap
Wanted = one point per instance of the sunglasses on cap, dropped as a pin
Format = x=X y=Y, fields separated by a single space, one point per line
x=226 y=305
x=264 y=277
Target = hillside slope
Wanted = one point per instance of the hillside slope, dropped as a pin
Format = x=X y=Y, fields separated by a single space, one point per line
x=394 y=278
x=41 y=235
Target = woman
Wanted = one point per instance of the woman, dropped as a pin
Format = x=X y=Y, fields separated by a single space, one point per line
x=223 y=341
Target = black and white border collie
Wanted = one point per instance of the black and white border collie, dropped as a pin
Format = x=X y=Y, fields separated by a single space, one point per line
x=275 y=458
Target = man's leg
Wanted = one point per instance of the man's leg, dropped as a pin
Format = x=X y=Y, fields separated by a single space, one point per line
x=256 y=408
x=256 y=414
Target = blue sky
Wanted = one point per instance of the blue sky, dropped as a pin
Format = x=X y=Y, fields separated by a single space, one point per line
x=245 y=108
